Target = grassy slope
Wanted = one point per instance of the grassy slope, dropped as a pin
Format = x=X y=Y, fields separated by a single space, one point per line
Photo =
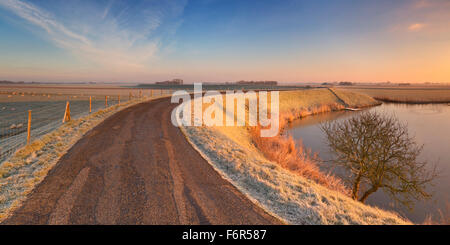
x=355 y=99
x=286 y=195
x=293 y=100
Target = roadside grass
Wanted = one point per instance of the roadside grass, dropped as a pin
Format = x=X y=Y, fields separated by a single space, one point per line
x=31 y=163
x=294 y=157
x=281 y=176
x=292 y=198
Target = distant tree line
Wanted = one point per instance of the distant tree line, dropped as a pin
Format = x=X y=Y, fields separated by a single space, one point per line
x=10 y=82
x=271 y=83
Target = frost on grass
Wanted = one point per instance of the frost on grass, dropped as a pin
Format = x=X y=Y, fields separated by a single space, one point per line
x=30 y=164
x=292 y=198
x=282 y=193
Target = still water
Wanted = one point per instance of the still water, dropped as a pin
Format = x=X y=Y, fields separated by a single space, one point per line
x=430 y=124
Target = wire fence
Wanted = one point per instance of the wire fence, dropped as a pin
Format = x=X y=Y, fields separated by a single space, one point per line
x=47 y=115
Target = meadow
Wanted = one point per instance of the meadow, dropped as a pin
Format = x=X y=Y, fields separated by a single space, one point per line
x=406 y=94
x=48 y=103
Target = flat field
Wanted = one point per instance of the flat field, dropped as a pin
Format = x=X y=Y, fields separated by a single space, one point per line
x=405 y=94
x=63 y=92
x=47 y=103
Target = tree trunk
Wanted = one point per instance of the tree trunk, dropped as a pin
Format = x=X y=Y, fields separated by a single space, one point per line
x=367 y=193
x=356 y=187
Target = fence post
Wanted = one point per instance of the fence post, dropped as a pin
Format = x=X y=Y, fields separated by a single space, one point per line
x=29 y=127
x=119 y=99
x=106 y=101
x=140 y=93
x=90 y=104
x=67 y=113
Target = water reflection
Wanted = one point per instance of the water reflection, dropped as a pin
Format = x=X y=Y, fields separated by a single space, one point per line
x=430 y=124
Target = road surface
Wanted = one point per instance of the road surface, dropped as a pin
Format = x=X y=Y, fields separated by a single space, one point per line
x=136 y=168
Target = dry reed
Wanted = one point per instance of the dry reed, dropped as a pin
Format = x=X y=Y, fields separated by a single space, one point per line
x=294 y=157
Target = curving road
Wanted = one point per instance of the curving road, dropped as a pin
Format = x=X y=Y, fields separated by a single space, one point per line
x=136 y=168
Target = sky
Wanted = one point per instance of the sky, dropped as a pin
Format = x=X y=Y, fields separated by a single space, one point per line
x=225 y=40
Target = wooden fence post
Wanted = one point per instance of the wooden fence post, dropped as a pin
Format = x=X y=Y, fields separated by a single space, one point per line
x=90 y=104
x=106 y=101
x=29 y=127
x=140 y=93
x=67 y=113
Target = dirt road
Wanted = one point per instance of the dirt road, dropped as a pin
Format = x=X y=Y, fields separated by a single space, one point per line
x=136 y=168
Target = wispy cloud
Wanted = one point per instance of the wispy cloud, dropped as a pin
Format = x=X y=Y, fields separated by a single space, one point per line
x=416 y=27
x=422 y=4
x=424 y=17
x=117 y=41
x=107 y=8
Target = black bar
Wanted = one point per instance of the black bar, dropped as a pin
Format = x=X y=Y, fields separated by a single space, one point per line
x=231 y=234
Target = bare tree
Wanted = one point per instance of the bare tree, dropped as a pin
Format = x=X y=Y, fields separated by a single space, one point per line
x=378 y=153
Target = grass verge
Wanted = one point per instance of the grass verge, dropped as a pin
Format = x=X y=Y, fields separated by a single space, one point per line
x=30 y=164
x=289 y=187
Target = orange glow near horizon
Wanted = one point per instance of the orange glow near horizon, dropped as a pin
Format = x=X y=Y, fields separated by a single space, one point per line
x=371 y=41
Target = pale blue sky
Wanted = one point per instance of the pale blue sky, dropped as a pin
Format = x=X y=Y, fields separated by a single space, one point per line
x=214 y=40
